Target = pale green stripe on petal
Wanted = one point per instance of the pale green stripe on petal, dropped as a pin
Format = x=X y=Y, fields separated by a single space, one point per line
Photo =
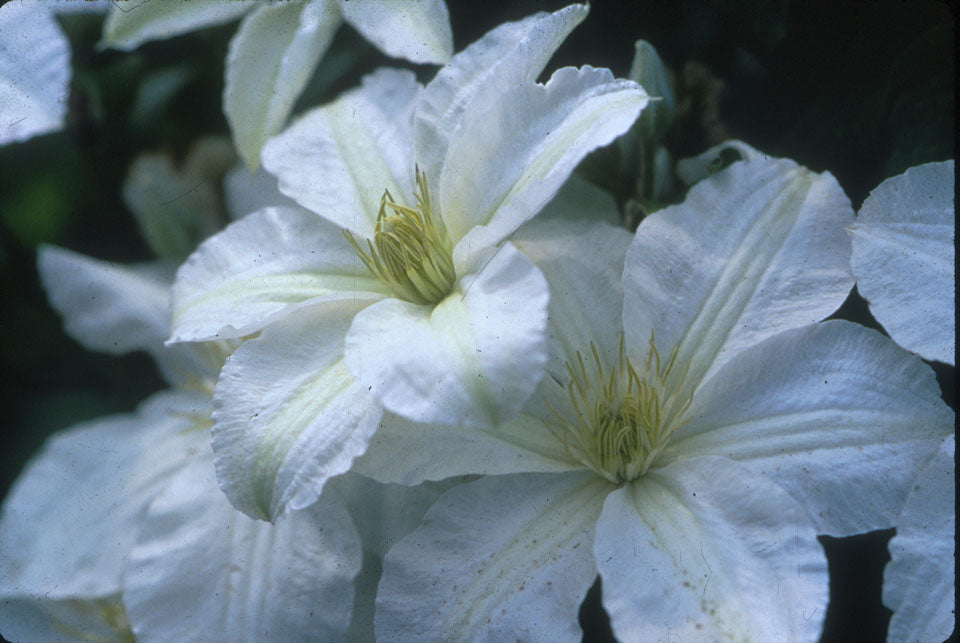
x=503 y=558
x=262 y=295
x=270 y=60
x=835 y=413
x=603 y=108
x=739 y=277
x=371 y=173
x=288 y=415
x=280 y=435
x=516 y=149
x=754 y=250
x=509 y=55
x=130 y=25
x=263 y=267
x=706 y=550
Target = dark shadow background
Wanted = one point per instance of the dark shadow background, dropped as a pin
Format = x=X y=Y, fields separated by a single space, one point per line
x=861 y=89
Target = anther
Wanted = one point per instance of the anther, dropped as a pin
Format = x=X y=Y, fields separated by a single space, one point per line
x=624 y=418
x=410 y=252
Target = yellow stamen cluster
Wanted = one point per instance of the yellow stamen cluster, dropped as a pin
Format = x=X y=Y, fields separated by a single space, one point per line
x=410 y=252
x=623 y=418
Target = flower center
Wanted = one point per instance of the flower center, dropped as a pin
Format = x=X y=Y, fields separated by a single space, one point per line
x=622 y=418
x=410 y=252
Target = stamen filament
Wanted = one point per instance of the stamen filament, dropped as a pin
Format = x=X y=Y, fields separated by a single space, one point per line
x=621 y=425
x=410 y=251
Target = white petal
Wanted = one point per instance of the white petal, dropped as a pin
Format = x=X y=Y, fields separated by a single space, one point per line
x=582 y=256
x=418 y=30
x=577 y=202
x=706 y=550
x=288 y=415
x=338 y=159
x=903 y=257
x=72 y=516
x=753 y=250
x=918 y=582
x=503 y=558
x=260 y=269
x=34 y=72
x=695 y=169
x=515 y=149
x=269 y=63
x=88 y=6
x=383 y=514
x=245 y=192
x=408 y=452
x=835 y=413
x=509 y=55
x=118 y=309
x=201 y=570
x=105 y=306
x=474 y=358
x=100 y=619
x=127 y=27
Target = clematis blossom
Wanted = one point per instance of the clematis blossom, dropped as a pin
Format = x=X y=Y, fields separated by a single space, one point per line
x=903 y=257
x=698 y=427
x=279 y=44
x=393 y=286
x=117 y=528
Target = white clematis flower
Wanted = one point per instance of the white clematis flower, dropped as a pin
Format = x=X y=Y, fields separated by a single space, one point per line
x=279 y=44
x=903 y=256
x=688 y=451
x=918 y=582
x=119 y=527
x=390 y=288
